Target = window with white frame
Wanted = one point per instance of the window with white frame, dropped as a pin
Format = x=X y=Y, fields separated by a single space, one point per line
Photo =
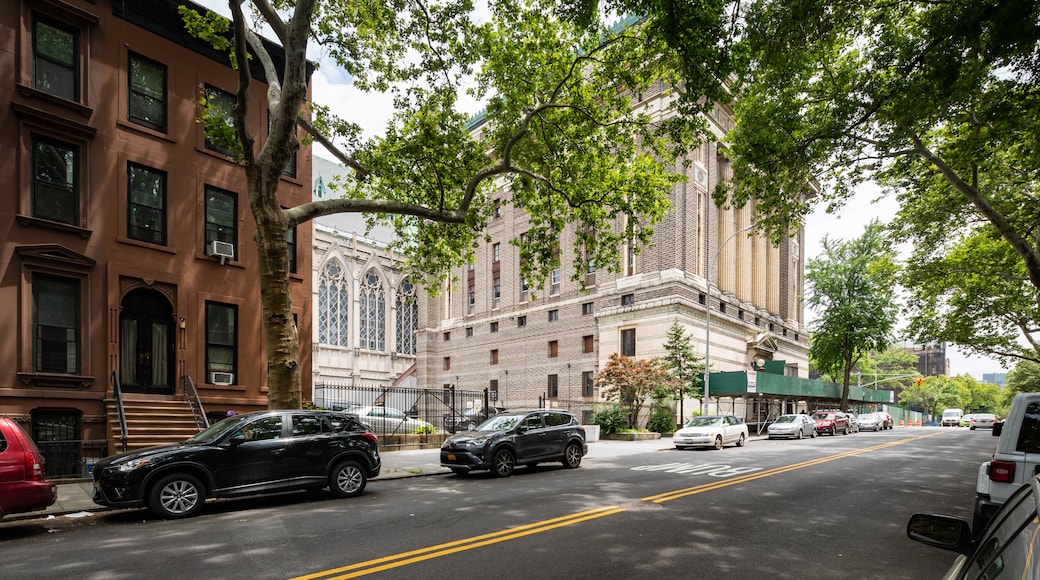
x=333 y=306
x=373 y=313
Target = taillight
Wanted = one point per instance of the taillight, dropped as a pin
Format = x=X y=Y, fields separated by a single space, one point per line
x=371 y=437
x=1002 y=471
x=33 y=467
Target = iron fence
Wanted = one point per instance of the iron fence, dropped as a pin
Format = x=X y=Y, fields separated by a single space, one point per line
x=72 y=459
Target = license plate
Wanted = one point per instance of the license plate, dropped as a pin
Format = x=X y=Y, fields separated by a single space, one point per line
x=451 y=457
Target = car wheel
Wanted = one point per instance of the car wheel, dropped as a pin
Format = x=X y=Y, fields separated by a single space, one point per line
x=799 y=435
x=469 y=426
x=572 y=456
x=347 y=479
x=741 y=440
x=681 y=447
x=971 y=428
x=718 y=442
x=459 y=471
x=503 y=463
x=177 y=496
x=813 y=434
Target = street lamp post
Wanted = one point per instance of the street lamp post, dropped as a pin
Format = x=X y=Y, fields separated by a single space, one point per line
x=707 y=315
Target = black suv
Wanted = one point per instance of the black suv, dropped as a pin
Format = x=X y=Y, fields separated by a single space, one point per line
x=516 y=438
x=250 y=453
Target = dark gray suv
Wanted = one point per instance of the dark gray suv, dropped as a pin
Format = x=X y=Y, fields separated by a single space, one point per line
x=517 y=438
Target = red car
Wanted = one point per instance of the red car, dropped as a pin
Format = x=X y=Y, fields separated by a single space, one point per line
x=23 y=485
x=832 y=422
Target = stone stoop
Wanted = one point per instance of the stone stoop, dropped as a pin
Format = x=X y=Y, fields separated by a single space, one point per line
x=150 y=422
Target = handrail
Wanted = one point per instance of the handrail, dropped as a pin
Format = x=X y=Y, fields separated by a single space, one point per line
x=191 y=394
x=119 y=406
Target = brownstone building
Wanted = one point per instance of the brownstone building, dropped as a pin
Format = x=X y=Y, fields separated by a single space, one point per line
x=127 y=236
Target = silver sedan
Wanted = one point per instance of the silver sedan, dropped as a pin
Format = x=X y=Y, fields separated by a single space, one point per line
x=792 y=427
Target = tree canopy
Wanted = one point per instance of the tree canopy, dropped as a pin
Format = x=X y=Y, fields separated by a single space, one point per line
x=631 y=381
x=936 y=101
x=852 y=287
x=560 y=137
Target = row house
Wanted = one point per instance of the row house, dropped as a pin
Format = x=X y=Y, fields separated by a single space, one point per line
x=128 y=251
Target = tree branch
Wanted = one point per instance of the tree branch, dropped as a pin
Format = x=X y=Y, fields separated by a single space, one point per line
x=308 y=211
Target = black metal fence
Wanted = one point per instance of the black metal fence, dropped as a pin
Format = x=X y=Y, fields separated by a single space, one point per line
x=404 y=410
x=72 y=459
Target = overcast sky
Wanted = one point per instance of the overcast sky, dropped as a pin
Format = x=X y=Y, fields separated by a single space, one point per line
x=331 y=86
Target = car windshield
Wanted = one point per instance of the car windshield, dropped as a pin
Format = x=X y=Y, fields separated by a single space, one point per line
x=219 y=429
x=500 y=423
x=787 y=419
x=704 y=422
x=823 y=416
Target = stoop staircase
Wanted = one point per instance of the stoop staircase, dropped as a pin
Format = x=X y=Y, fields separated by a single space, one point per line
x=150 y=421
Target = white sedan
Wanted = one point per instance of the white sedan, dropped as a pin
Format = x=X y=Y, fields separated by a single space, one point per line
x=389 y=421
x=792 y=426
x=711 y=431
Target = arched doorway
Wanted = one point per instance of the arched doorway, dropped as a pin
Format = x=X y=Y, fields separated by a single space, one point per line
x=146 y=343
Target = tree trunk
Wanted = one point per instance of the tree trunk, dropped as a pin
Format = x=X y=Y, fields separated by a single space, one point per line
x=283 y=343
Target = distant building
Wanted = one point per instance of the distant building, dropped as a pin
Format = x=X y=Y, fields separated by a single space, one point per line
x=999 y=379
x=366 y=310
x=128 y=240
x=931 y=359
x=488 y=332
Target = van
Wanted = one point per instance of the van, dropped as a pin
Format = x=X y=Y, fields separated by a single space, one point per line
x=1016 y=460
x=952 y=417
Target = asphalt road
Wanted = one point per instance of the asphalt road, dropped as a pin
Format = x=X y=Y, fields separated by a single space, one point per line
x=827 y=508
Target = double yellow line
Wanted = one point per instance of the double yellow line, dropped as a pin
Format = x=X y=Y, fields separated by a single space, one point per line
x=431 y=552
x=407 y=558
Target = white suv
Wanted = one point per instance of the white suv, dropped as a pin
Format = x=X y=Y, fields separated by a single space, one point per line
x=1016 y=460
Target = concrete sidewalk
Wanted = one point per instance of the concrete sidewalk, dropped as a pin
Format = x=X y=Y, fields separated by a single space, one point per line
x=74 y=498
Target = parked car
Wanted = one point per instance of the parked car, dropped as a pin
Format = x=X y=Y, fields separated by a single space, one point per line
x=832 y=422
x=23 y=484
x=966 y=420
x=982 y=421
x=853 y=422
x=516 y=438
x=1016 y=459
x=1005 y=549
x=711 y=431
x=871 y=422
x=792 y=427
x=470 y=418
x=389 y=421
x=888 y=421
x=249 y=453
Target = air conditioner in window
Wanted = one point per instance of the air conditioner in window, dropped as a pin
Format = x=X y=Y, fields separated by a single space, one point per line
x=221 y=378
x=222 y=250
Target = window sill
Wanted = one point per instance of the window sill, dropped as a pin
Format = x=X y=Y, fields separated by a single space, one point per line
x=143 y=244
x=34 y=93
x=29 y=221
x=54 y=380
x=130 y=125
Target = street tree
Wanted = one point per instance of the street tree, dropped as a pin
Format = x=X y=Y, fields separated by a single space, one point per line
x=936 y=102
x=933 y=394
x=632 y=381
x=977 y=396
x=685 y=367
x=851 y=285
x=1024 y=378
x=558 y=138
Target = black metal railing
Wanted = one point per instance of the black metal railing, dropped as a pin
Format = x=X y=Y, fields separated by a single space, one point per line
x=118 y=391
x=72 y=459
x=191 y=394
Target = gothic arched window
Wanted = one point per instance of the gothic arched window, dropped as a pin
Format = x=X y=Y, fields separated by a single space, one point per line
x=373 y=313
x=333 y=306
x=407 y=318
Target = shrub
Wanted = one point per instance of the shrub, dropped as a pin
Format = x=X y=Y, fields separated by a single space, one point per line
x=662 y=420
x=425 y=429
x=611 y=420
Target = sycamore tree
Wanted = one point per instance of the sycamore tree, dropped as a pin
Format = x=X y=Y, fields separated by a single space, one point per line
x=632 y=381
x=559 y=139
x=1024 y=378
x=851 y=286
x=938 y=102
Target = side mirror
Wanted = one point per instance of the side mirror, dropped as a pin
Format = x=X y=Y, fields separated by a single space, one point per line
x=237 y=439
x=997 y=428
x=946 y=532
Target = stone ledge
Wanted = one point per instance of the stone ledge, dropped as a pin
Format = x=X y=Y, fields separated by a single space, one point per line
x=631 y=436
